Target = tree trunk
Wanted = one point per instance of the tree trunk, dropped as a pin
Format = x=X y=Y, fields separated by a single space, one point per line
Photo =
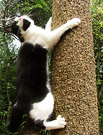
x=73 y=78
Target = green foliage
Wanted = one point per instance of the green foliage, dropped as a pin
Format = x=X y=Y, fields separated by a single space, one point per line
x=97 y=19
x=38 y=10
x=7 y=81
x=7 y=74
x=3 y=124
x=101 y=114
x=46 y=132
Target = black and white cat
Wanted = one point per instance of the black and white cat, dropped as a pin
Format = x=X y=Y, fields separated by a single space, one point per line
x=34 y=95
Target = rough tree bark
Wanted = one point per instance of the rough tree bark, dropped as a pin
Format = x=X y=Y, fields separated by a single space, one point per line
x=73 y=78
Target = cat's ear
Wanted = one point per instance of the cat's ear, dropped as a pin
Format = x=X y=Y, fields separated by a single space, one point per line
x=26 y=24
x=8 y=29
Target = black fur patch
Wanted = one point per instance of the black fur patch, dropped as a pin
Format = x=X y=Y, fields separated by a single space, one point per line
x=15 y=119
x=26 y=24
x=15 y=29
x=31 y=75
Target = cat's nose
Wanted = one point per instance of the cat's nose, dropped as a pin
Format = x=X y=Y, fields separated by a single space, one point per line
x=20 y=18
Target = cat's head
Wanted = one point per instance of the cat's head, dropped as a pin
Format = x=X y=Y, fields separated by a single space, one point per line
x=20 y=26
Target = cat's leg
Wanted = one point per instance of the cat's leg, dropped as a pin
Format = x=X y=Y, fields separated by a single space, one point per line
x=55 y=124
x=48 y=38
x=41 y=113
x=51 y=125
x=69 y=25
x=48 y=25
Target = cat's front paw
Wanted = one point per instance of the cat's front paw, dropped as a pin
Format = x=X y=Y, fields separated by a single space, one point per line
x=48 y=25
x=76 y=21
x=50 y=20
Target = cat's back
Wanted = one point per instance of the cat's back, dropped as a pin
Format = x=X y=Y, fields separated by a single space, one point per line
x=31 y=73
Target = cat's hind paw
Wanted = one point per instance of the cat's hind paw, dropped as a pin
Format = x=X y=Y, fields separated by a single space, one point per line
x=61 y=121
x=55 y=124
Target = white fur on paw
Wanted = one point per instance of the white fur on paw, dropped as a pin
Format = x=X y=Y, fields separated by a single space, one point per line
x=76 y=21
x=55 y=124
x=61 y=121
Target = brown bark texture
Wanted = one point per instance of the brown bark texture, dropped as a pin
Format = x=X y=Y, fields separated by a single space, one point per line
x=73 y=80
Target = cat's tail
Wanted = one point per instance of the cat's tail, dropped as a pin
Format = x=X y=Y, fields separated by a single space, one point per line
x=15 y=119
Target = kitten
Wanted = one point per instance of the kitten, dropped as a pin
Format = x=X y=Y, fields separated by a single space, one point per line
x=34 y=95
